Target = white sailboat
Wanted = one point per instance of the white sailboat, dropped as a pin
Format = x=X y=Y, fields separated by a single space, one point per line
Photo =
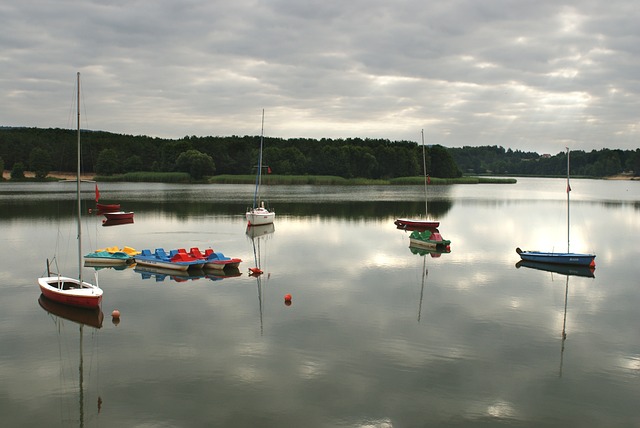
x=67 y=290
x=259 y=214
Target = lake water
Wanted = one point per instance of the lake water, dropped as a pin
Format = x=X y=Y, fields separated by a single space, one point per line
x=368 y=341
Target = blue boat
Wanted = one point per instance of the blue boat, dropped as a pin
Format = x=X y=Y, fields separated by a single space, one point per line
x=173 y=260
x=558 y=258
x=568 y=258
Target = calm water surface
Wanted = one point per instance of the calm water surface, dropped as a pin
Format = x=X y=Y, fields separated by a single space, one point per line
x=376 y=336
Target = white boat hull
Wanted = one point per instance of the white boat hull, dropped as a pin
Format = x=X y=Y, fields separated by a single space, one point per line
x=163 y=265
x=260 y=216
x=103 y=261
x=428 y=245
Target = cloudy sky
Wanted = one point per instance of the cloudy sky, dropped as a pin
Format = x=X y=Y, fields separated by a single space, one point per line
x=530 y=75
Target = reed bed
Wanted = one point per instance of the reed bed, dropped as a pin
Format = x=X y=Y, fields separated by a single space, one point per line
x=273 y=179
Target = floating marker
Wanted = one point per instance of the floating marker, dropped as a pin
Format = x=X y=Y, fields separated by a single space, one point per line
x=255 y=271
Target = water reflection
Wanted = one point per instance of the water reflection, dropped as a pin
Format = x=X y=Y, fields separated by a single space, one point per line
x=259 y=235
x=117 y=222
x=585 y=271
x=159 y=274
x=82 y=317
x=376 y=330
x=199 y=200
x=567 y=271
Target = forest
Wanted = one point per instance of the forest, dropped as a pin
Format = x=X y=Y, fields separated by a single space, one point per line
x=498 y=161
x=103 y=153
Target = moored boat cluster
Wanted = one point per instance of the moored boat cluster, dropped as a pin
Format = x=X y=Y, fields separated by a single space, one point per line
x=173 y=260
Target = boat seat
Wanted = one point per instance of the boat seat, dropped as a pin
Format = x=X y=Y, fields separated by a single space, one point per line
x=195 y=252
x=181 y=257
x=130 y=251
x=217 y=256
x=160 y=253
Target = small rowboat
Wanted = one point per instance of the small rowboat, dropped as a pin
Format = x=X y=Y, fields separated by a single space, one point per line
x=119 y=215
x=415 y=224
x=107 y=208
x=173 y=260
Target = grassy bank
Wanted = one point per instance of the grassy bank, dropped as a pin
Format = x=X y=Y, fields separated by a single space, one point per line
x=148 y=177
x=461 y=180
x=331 y=180
x=326 y=180
x=292 y=179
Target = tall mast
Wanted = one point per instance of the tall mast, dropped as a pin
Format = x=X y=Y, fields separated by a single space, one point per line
x=568 y=191
x=256 y=194
x=78 y=190
x=424 y=166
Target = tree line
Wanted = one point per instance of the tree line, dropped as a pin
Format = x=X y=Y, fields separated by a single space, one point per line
x=496 y=160
x=103 y=153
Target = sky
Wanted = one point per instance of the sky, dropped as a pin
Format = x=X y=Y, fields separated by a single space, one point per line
x=525 y=75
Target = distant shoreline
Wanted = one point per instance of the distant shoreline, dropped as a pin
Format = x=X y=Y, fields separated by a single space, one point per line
x=6 y=174
x=622 y=177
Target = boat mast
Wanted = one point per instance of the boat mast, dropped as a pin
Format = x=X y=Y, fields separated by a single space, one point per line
x=424 y=166
x=78 y=190
x=256 y=194
x=568 y=191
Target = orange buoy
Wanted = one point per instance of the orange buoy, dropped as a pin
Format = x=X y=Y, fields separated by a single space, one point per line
x=115 y=313
x=287 y=298
x=255 y=271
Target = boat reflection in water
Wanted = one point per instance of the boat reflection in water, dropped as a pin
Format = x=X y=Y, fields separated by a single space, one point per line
x=160 y=274
x=83 y=317
x=258 y=235
x=567 y=271
x=117 y=221
x=434 y=253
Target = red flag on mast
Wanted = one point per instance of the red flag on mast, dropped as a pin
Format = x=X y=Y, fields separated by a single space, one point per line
x=97 y=193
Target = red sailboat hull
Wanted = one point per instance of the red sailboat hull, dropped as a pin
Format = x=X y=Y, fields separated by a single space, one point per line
x=119 y=215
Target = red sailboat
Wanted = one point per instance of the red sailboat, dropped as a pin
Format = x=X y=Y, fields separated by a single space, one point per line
x=419 y=224
x=66 y=290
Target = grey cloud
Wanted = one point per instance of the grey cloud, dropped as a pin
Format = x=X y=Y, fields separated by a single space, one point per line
x=524 y=75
